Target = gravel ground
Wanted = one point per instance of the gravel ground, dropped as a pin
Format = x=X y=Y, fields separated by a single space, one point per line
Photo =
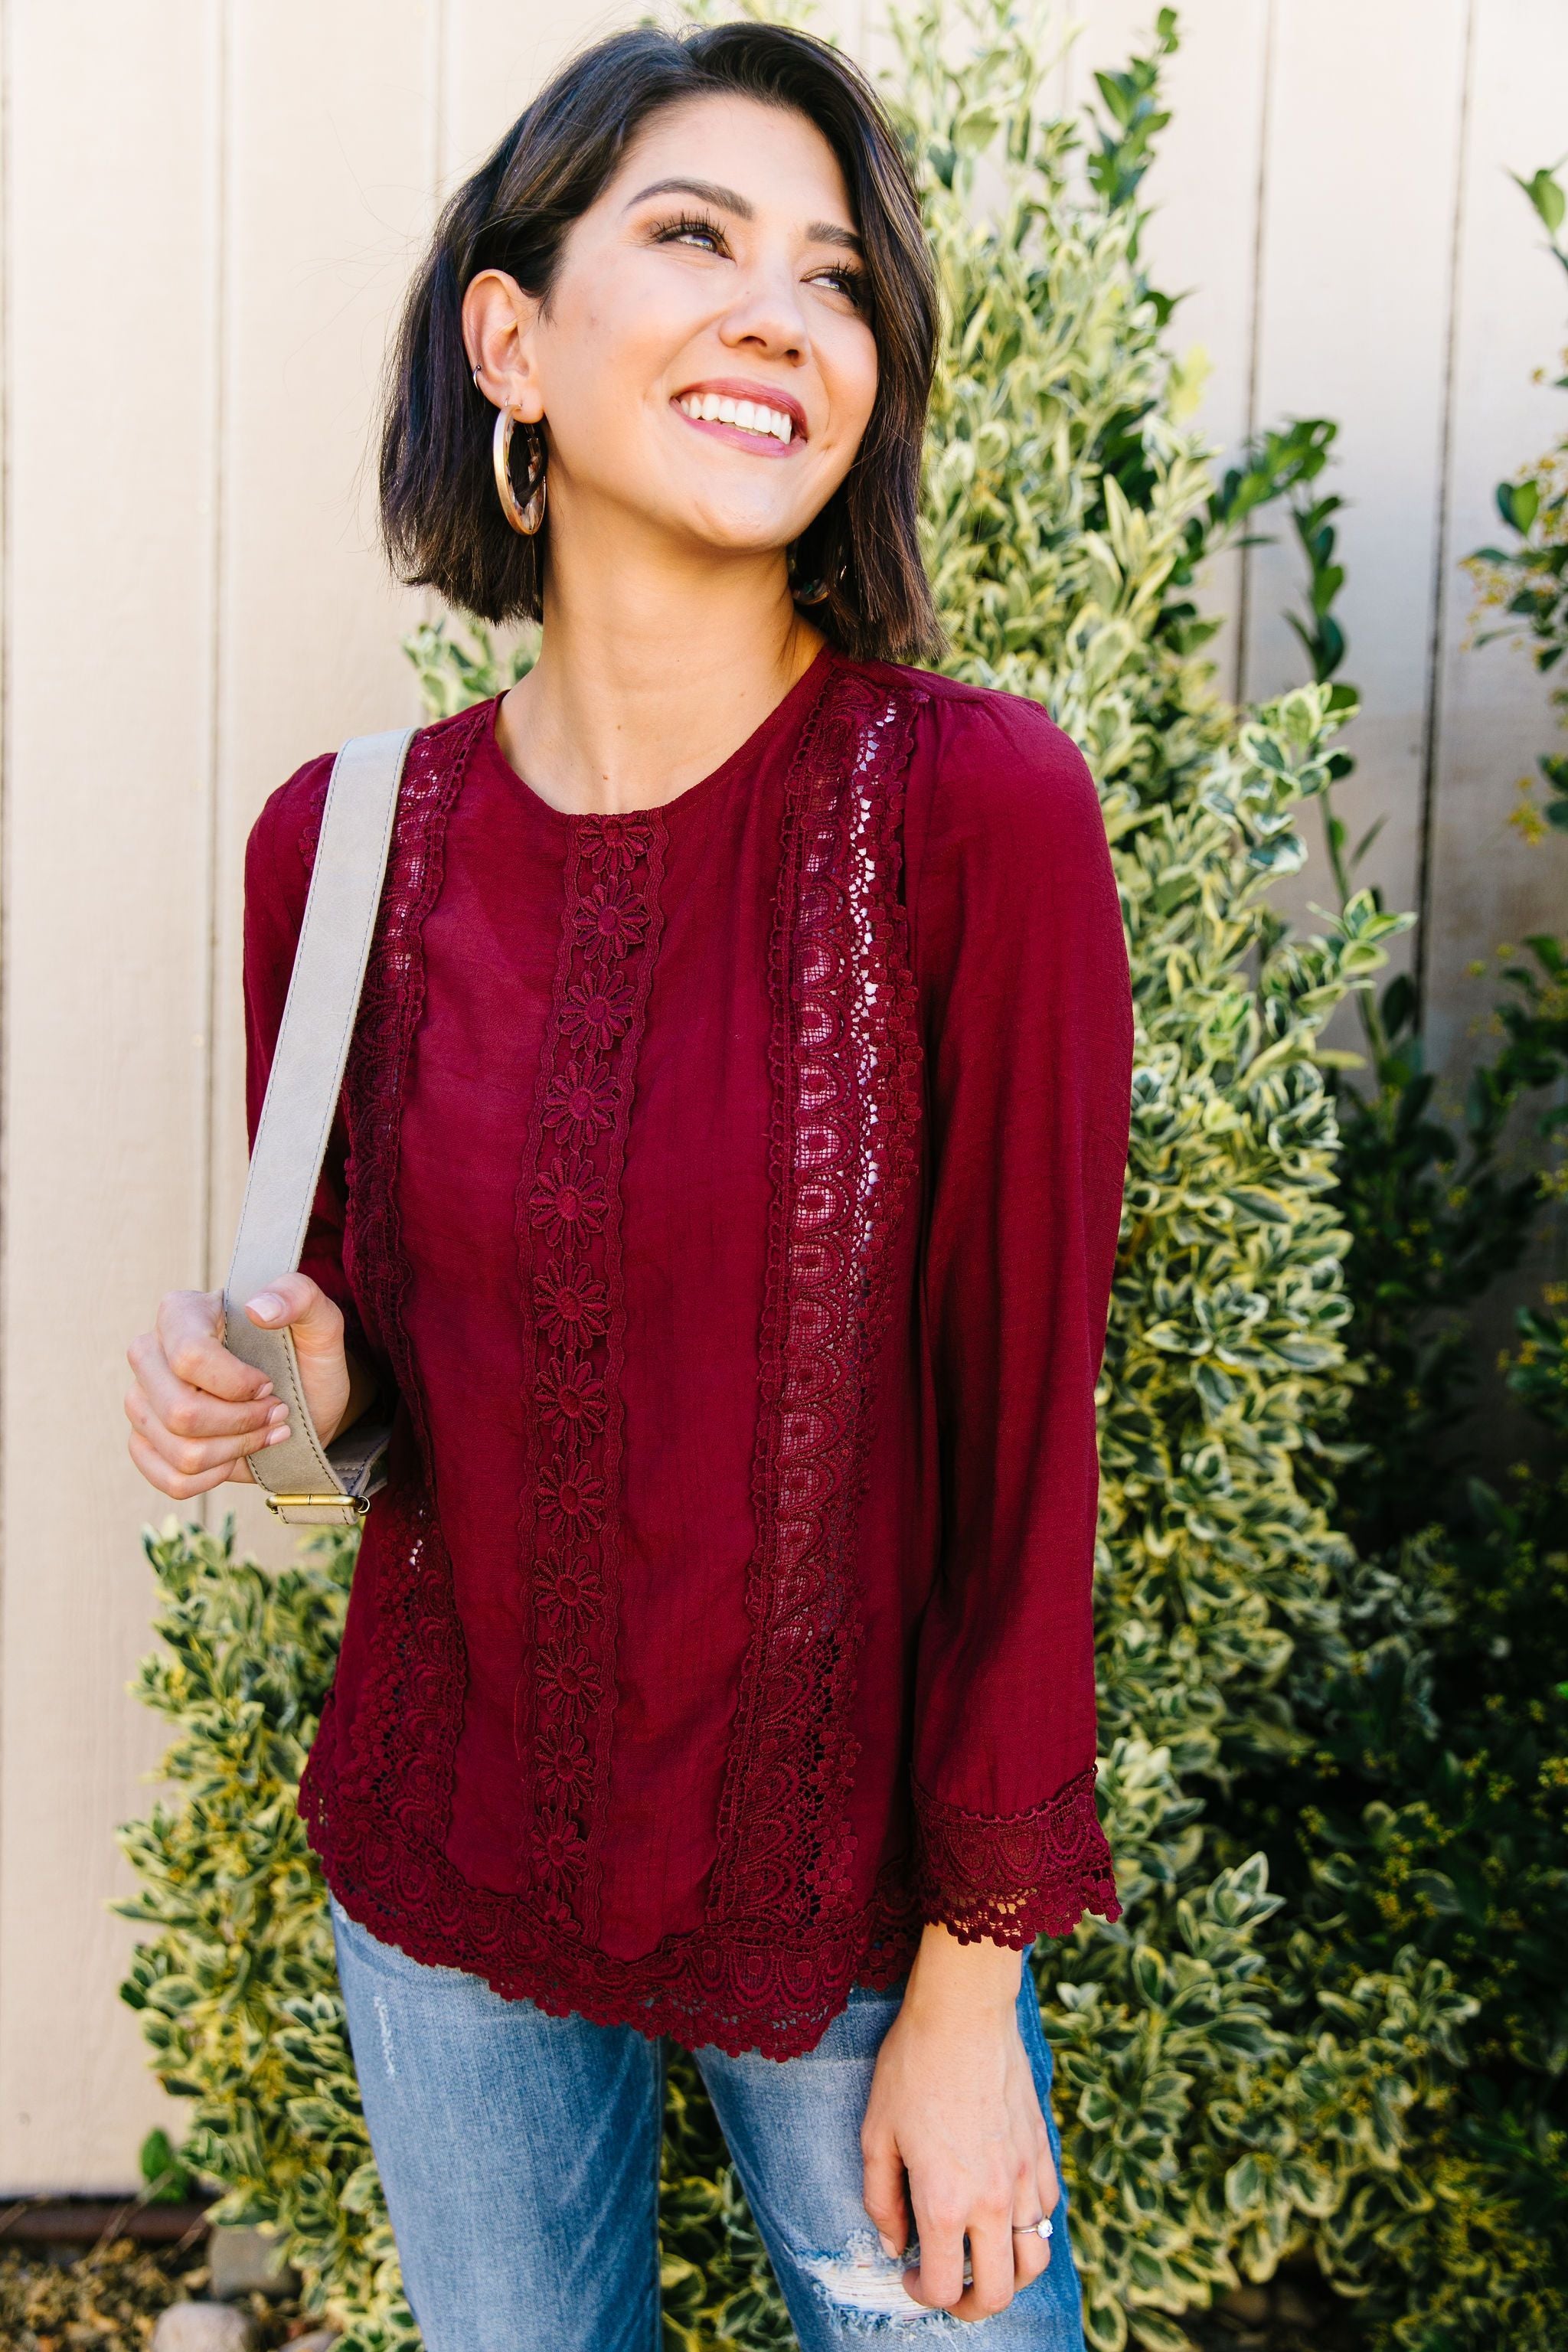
x=108 y=2300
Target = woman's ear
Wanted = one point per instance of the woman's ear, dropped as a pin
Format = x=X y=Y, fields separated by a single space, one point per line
x=499 y=320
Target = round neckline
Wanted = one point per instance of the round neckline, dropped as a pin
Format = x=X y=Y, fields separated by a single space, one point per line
x=801 y=694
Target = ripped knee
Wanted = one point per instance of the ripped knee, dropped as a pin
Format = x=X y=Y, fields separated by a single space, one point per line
x=863 y=2288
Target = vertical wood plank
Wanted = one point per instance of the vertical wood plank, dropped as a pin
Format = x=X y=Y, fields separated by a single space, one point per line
x=109 y=211
x=1357 y=251
x=329 y=192
x=1494 y=718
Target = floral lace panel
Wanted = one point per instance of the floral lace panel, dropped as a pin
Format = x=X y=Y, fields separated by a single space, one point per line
x=569 y=1253
x=1013 y=1877
x=411 y=1711
x=845 y=1067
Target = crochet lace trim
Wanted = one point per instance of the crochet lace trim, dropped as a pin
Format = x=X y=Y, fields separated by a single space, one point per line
x=1013 y=1877
x=723 y=1988
x=847 y=1099
x=569 y=1264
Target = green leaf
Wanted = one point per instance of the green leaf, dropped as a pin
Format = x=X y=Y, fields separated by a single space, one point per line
x=1245 y=2184
x=1519 y=503
x=1547 y=196
x=1155 y=2333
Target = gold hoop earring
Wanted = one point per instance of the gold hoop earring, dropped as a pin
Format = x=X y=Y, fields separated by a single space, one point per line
x=827 y=574
x=527 y=517
x=811 y=592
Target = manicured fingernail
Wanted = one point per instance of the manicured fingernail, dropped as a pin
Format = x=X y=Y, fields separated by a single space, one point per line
x=266 y=1305
x=888 y=2246
x=264 y=1392
x=276 y=1437
x=279 y=1412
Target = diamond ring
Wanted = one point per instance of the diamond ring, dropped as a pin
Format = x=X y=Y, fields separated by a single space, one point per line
x=1040 y=2229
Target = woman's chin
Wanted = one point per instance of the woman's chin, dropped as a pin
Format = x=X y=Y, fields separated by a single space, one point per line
x=731 y=524
x=735 y=543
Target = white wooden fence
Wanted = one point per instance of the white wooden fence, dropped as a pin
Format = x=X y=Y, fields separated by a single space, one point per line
x=210 y=207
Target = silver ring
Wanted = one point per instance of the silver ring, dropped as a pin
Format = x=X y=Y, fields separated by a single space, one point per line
x=1040 y=2229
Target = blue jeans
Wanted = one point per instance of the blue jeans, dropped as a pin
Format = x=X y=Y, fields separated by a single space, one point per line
x=519 y=2158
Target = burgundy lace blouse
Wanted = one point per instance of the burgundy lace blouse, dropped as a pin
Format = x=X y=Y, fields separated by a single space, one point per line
x=728 y=1192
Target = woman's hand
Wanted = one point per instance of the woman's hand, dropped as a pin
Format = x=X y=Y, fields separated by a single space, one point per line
x=954 y=2127
x=196 y=1413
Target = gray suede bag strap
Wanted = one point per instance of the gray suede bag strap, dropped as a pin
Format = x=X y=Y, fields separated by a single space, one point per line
x=307 y=1484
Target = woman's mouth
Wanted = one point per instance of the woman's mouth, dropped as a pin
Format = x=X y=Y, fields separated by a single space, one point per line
x=757 y=425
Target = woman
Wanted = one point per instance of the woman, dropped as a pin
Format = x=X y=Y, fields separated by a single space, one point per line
x=726 y=1193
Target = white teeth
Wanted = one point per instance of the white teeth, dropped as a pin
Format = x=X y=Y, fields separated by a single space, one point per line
x=750 y=415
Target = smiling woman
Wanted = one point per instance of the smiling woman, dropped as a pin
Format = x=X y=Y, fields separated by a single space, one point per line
x=718 y=1660
x=826 y=210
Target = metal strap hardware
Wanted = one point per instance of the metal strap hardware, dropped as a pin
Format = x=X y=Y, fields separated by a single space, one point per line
x=309 y=1484
x=345 y=1506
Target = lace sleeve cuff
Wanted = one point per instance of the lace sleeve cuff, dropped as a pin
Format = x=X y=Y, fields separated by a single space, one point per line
x=1013 y=1877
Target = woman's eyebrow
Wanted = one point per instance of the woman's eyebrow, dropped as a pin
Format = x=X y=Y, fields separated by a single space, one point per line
x=727 y=200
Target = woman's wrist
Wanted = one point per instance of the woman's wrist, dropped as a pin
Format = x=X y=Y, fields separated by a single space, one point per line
x=968 y=1979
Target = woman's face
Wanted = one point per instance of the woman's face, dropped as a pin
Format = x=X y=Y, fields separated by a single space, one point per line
x=704 y=362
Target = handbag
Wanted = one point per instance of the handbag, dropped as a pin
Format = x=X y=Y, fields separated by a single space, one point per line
x=307 y=1484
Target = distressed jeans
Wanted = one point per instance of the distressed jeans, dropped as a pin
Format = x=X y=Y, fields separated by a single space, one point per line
x=520 y=2157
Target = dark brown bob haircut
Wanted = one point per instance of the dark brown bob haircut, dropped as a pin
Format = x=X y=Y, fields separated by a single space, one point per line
x=441 y=518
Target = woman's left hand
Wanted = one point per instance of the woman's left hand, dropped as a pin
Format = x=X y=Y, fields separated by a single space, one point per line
x=954 y=2129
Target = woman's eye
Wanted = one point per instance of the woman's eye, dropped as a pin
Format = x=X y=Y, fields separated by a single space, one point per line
x=850 y=283
x=706 y=235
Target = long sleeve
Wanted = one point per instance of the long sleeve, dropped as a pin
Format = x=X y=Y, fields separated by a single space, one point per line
x=1028 y=1032
x=277 y=880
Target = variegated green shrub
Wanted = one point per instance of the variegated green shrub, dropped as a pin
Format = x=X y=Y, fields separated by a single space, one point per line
x=1432 y=1809
x=1225 y=2096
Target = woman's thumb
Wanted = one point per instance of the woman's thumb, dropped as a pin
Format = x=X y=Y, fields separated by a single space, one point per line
x=302 y=1305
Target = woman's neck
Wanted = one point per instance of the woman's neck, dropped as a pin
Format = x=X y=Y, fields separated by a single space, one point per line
x=650 y=673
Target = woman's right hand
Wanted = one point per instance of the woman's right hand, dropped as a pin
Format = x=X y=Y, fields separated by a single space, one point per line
x=197 y=1413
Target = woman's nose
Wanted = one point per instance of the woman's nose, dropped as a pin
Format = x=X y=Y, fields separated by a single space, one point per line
x=768 y=317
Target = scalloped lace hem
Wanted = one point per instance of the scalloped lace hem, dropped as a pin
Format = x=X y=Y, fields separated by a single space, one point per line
x=706 y=1987
x=1009 y=1877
